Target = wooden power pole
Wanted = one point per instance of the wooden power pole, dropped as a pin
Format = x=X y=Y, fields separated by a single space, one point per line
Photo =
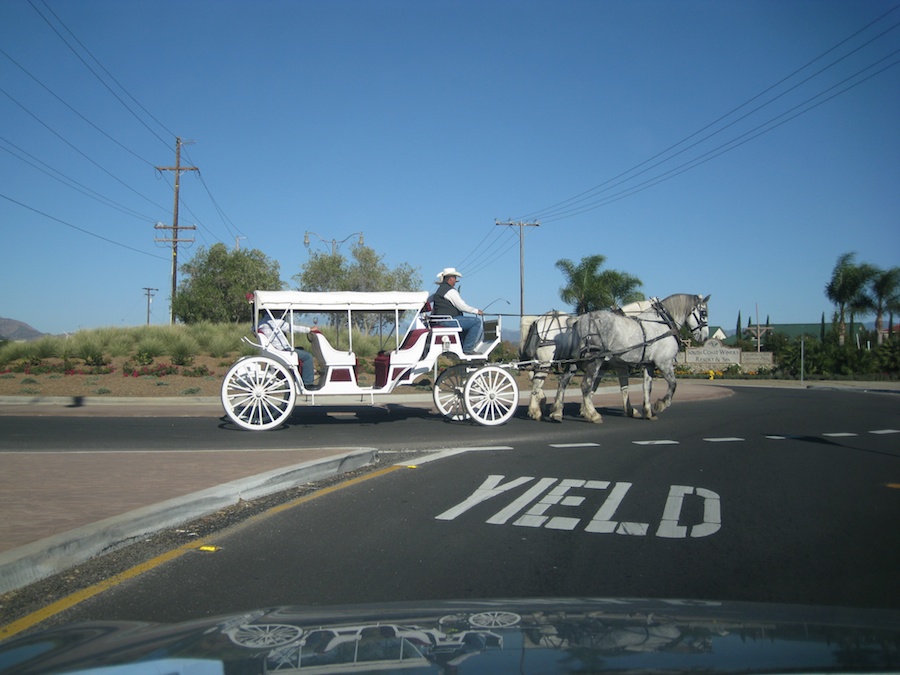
x=174 y=240
x=520 y=225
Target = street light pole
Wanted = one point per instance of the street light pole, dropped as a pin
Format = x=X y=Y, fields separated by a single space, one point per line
x=334 y=242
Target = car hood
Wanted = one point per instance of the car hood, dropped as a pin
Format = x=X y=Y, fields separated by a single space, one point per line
x=489 y=636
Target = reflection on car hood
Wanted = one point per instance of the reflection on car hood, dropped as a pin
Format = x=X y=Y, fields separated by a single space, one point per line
x=496 y=636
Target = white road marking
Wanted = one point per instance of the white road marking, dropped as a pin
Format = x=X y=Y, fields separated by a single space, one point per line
x=548 y=496
x=574 y=445
x=450 y=452
x=885 y=431
x=724 y=439
x=840 y=434
x=662 y=442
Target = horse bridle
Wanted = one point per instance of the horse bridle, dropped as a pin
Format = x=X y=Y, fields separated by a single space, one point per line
x=700 y=316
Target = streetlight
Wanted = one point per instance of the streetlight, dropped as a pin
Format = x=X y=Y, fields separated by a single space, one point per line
x=334 y=242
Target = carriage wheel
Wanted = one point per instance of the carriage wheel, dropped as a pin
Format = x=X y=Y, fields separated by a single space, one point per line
x=491 y=395
x=448 y=396
x=265 y=635
x=258 y=393
x=494 y=619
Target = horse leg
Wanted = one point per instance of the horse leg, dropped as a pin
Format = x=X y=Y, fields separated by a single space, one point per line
x=592 y=373
x=647 y=409
x=668 y=372
x=622 y=374
x=556 y=412
x=538 y=377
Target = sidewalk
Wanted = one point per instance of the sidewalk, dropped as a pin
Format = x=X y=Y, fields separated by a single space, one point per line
x=63 y=508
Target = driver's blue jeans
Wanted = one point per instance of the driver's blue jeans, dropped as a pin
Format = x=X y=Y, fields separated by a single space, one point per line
x=473 y=331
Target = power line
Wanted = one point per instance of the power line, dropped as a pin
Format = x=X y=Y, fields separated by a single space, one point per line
x=80 y=229
x=70 y=182
x=94 y=73
x=80 y=152
x=554 y=212
x=58 y=98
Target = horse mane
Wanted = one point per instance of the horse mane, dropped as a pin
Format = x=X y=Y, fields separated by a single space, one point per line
x=680 y=305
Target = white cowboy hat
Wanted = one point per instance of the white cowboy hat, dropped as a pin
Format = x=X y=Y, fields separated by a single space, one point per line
x=447 y=272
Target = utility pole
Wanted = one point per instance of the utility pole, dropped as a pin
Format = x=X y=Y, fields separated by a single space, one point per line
x=174 y=240
x=520 y=225
x=149 y=292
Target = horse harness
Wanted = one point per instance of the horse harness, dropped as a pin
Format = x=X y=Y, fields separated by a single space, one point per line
x=592 y=353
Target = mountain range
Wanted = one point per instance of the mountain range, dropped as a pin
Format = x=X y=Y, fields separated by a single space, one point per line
x=10 y=329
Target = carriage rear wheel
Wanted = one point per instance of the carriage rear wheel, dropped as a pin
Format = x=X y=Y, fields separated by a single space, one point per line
x=491 y=395
x=258 y=393
x=448 y=393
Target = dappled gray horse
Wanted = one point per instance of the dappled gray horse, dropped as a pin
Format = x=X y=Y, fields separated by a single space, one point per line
x=649 y=339
x=542 y=338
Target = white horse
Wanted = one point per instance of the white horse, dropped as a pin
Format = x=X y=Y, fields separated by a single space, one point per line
x=542 y=338
x=648 y=339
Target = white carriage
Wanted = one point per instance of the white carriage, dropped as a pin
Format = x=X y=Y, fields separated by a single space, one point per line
x=260 y=391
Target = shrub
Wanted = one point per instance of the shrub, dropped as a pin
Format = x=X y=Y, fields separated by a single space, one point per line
x=89 y=349
x=182 y=348
x=149 y=348
x=47 y=347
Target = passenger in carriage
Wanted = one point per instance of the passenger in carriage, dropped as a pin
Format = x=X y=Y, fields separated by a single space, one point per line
x=275 y=329
x=446 y=301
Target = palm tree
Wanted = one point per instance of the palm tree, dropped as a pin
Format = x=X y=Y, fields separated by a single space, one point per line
x=885 y=287
x=588 y=289
x=847 y=290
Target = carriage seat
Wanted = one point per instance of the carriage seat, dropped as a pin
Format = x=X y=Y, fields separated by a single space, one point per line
x=265 y=345
x=338 y=366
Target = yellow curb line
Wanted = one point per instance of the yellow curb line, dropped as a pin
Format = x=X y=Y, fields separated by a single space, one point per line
x=70 y=601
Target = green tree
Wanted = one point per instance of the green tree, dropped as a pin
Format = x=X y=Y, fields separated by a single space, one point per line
x=366 y=271
x=847 y=290
x=588 y=289
x=885 y=295
x=217 y=281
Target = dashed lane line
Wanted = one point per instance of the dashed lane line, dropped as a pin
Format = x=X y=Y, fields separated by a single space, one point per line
x=659 y=442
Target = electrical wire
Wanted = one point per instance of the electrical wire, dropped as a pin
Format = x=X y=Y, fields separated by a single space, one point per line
x=556 y=212
x=81 y=229
x=100 y=79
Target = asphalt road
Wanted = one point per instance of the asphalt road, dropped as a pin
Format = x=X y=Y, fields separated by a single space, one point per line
x=768 y=495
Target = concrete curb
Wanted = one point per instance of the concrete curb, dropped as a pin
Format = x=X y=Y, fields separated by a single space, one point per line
x=41 y=559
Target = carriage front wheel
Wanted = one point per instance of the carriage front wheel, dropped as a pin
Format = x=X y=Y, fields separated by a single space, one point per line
x=258 y=393
x=491 y=395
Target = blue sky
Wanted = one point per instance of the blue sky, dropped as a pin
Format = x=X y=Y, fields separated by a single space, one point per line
x=627 y=129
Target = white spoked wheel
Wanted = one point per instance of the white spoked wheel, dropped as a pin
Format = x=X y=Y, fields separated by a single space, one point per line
x=258 y=393
x=494 y=619
x=491 y=395
x=265 y=635
x=448 y=393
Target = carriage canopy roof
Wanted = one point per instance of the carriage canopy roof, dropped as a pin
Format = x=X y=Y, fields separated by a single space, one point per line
x=307 y=301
